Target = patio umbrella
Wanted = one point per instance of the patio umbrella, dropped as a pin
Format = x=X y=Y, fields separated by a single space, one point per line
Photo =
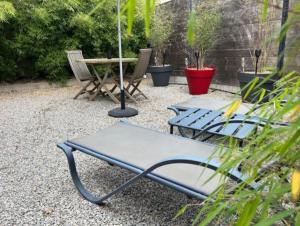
x=123 y=111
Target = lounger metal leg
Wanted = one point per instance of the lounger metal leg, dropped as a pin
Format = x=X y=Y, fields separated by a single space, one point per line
x=241 y=143
x=171 y=129
x=182 y=133
x=206 y=138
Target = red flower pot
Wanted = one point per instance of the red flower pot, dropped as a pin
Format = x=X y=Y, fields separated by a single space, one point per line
x=199 y=80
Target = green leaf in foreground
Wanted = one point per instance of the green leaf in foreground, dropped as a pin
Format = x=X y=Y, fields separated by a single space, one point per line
x=275 y=218
x=181 y=211
x=130 y=14
x=249 y=212
x=211 y=215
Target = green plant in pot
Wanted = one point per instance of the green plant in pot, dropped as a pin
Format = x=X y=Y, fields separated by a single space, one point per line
x=260 y=75
x=161 y=30
x=202 y=35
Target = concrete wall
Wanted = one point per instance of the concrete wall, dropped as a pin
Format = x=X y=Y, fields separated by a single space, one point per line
x=237 y=33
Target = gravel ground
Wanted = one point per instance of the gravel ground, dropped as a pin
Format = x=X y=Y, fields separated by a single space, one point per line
x=35 y=184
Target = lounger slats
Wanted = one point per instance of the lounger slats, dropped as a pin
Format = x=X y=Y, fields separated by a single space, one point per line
x=245 y=131
x=182 y=116
x=206 y=120
x=216 y=128
x=193 y=117
x=230 y=129
x=199 y=119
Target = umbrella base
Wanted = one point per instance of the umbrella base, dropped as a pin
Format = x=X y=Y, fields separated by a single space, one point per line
x=123 y=113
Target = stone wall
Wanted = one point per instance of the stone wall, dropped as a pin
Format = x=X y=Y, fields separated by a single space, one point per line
x=238 y=31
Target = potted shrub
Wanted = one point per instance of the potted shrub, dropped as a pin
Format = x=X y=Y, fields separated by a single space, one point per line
x=161 y=30
x=261 y=46
x=203 y=24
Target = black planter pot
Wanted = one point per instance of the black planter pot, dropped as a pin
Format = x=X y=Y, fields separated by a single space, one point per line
x=246 y=77
x=160 y=74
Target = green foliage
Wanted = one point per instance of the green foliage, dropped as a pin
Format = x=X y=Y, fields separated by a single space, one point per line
x=7 y=10
x=264 y=39
x=147 y=5
x=34 y=40
x=161 y=30
x=202 y=32
x=269 y=158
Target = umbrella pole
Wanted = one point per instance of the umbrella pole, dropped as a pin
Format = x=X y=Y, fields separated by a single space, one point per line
x=120 y=58
x=121 y=112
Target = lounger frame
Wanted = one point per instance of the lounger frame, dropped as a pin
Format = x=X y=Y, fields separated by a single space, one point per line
x=69 y=147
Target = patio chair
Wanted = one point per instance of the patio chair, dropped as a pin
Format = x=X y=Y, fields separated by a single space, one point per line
x=139 y=72
x=203 y=116
x=134 y=80
x=82 y=73
x=180 y=163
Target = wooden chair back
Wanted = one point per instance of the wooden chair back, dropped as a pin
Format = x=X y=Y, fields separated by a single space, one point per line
x=79 y=69
x=142 y=64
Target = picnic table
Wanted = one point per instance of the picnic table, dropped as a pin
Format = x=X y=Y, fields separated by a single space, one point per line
x=103 y=80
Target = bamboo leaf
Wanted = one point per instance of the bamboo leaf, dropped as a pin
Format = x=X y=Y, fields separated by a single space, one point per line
x=248 y=212
x=295 y=113
x=181 y=211
x=147 y=17
x=98 y=6
x=253 y=83
x=130 y=15
x=262 y=95
x=291 y=141
x=233 y=108
x=275 y=218
x=211 y=215
x=264 y=11
x=191 y=36
x=295 y=185
x=297 y=219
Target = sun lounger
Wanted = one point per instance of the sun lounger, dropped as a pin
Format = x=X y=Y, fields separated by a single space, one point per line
x=180 y=163
x=205 y=115
x=209 y=102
